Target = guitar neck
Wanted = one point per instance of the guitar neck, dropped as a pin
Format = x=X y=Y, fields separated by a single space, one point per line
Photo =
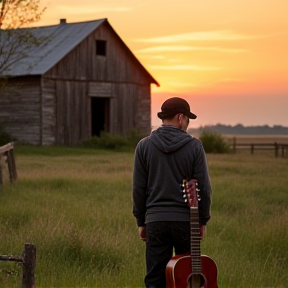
x=195 y=239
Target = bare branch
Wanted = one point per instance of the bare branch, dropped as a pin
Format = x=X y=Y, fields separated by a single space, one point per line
x=15 y=42
x=19 y=13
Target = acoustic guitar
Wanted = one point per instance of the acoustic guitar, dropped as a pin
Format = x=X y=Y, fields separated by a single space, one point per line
x=194 y=270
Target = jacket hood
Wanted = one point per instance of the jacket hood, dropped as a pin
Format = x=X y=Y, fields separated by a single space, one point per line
x=169 y=138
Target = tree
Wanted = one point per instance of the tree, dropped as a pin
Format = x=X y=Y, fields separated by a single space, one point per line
x=15 y=42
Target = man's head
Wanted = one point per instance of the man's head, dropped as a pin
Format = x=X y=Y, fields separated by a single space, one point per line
x=176 y=111
x=173 y=106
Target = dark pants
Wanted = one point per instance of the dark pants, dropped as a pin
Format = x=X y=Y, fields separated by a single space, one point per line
x=162 y=237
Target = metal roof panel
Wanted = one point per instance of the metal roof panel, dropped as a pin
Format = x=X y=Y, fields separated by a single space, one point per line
x=59 y=41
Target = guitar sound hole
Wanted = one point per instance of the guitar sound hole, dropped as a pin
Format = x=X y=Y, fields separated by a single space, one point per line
x=196 y=281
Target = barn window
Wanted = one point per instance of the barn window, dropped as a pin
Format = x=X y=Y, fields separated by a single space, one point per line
x=101 y=47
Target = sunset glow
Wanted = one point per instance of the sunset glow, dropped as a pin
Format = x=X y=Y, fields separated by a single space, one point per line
x=229 y=59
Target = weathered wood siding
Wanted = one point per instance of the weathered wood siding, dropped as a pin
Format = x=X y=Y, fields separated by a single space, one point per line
x=48 y=105
x=131 y=110
x=20 y=109
x=72 y=109
x=143 y=110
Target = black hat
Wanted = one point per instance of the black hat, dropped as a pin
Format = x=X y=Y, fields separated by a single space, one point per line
x=173 y=106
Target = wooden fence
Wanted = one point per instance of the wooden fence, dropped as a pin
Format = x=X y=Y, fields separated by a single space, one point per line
x=28 y=260
x=277 y=147
x=8 y=152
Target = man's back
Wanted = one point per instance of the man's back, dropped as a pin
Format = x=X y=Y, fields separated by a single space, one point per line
x=168 y=156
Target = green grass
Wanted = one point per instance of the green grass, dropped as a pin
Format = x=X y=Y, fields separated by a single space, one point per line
x=75 y=206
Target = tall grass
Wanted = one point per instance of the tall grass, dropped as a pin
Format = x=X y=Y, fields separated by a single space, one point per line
x=75 y=205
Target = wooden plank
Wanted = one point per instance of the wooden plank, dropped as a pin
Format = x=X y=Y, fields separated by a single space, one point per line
x=48 y=128
x=100 y=89
x=20 y=111
x=10 y=258
x=6 y=148
x=11 y=165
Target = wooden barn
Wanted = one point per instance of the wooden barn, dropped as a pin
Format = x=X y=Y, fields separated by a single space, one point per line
x=82 y=81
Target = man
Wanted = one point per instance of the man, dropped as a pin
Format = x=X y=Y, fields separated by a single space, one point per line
x=162 y=161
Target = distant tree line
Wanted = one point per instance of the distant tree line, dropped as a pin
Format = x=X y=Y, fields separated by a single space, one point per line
x=239 y=129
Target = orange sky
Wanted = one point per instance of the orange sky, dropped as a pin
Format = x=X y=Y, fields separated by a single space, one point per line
x=228 y=58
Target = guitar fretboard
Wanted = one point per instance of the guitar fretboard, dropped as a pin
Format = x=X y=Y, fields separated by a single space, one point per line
x=195 y=241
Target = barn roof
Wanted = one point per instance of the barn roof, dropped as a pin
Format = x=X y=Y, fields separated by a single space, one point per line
x=59 y=41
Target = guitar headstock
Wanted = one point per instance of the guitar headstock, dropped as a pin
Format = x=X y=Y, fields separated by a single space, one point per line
x=191 y=192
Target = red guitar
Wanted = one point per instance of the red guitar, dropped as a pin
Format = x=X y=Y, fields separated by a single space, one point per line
x=195 y=270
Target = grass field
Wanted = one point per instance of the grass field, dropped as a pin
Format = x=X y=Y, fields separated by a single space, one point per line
x=75 y=206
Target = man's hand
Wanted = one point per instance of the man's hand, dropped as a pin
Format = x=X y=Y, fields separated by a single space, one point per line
x=142 y=233
x=202 y=231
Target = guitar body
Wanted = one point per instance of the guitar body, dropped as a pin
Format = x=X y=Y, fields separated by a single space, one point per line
x=179 y=274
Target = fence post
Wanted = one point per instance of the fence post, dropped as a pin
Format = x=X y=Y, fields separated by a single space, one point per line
x=252 y=148
x=29 y=264
x=276 y=149
x=11 y=165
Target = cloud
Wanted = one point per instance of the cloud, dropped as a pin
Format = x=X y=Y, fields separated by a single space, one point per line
x=92 y=9
x=184 y=67
x=226 y=80
x=183 y=85
x=154 y=57
x=164 y=49
x=217 y=35
x=232 y=80
x=167 y=48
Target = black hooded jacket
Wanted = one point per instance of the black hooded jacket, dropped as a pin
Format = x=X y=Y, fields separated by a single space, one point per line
x=162 y=161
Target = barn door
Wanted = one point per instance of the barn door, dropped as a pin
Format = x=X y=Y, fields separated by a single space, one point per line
x=99 y=115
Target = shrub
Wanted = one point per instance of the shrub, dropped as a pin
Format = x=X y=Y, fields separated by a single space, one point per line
x=113 y=141
x=4 y=136
x=105 y=141
x=134 y=137
x=214 y=142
